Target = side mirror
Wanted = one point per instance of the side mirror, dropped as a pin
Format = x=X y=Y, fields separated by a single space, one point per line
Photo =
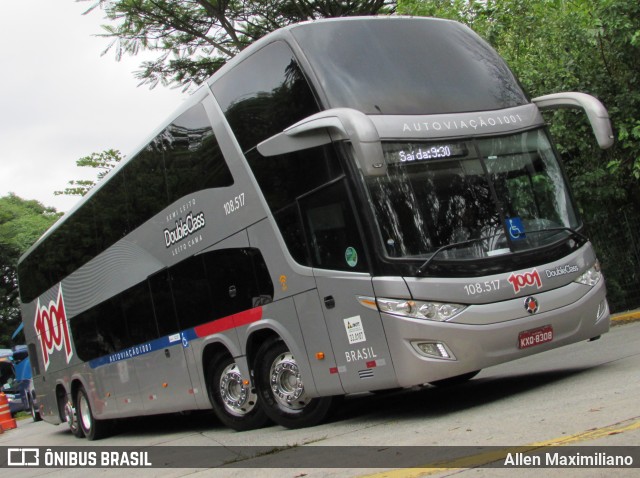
x=596 y=112
x=332 y=125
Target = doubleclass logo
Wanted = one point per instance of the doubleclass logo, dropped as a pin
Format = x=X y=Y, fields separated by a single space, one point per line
x=562 y=270
x=184 y=229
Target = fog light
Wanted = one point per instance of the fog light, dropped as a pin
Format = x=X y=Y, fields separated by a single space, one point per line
x=433 y=349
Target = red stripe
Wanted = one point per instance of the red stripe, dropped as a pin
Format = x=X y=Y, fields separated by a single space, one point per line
x=230 y=322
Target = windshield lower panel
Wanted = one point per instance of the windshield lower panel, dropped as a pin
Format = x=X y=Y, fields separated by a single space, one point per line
x=471 y=200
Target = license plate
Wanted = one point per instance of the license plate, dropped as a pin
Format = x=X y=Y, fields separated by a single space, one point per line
x=531 y=338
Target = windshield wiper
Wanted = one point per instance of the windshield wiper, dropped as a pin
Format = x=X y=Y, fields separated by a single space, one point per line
x=580 y=239
x=453 y=245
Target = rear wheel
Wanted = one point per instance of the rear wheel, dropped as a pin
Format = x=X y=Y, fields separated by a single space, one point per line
x=93 y=429
x=71 y=417
x=282 y=391
x=35 y=414
x=234 y=402
x=458 y=379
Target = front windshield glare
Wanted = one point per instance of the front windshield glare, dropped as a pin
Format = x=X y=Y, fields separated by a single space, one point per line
x=490 y=196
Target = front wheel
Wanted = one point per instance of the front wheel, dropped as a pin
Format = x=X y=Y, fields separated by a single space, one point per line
x=93 y=429
x=234 y=401
x=281 y=388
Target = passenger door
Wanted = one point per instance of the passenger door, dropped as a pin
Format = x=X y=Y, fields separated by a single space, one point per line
x=363 y=361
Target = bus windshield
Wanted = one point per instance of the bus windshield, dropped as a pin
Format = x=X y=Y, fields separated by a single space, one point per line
x=490 y=196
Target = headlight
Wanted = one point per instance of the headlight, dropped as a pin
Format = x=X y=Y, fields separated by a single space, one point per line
x=592 y=276
x=438 y=311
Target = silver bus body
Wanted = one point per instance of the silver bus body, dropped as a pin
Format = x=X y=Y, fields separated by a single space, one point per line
x=353 y=247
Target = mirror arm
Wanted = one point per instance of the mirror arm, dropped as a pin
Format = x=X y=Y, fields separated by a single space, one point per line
x=596 y=112
x=335 y=124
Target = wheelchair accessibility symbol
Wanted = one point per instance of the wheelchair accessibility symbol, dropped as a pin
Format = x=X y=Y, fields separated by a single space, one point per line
x=515 y=228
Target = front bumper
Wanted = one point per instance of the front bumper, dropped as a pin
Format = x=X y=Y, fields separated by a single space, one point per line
x=480 y=343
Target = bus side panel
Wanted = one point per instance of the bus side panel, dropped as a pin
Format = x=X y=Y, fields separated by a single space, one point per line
x=281 y=317
x=362 y=354
x=317 y=340
x=46 y=399
x=106 y=377
x=119 y=395
x=165 y=382
x=288 y=278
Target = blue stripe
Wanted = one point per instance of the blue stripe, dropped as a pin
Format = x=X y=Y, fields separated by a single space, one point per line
x=181 y=338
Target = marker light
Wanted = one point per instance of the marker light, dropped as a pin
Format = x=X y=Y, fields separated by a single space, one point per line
x=592 y=276
x=414 y=309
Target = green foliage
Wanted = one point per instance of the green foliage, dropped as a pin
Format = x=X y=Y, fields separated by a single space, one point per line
x=195 y=38
x=104 y=161
x=22 y=222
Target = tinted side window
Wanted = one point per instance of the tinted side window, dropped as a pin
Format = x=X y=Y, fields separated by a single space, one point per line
x=163 y=306
x=285 y=178
x=193 y=161
x=233 y=280
x=237 y=280
x=146 y=184
x=100 y=331
x=191 y=293
x=138 y=311
x=331 y=229
x=110 y=209
x=264 y=94
x=111 y=327
x=182 y=159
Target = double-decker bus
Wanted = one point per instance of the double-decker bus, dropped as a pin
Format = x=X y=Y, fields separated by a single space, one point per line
x=348 y=205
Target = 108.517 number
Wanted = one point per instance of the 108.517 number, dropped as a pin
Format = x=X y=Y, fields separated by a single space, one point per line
x=481 y=288
x=234 y=204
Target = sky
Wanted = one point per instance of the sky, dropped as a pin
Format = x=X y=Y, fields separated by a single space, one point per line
x=61 y=100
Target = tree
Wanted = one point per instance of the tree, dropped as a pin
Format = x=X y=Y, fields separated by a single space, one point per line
x=22 y=222
x=104 y=161
x=194 y=38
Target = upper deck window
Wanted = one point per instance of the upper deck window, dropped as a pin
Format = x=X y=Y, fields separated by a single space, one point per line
x=264 y=94
x=184 y=158
x=407 y=67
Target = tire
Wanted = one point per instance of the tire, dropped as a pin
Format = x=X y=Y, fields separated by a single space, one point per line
x=71 y=417
x=281 y=389
x=35 y=414
x=235 y=404
x=91 y=428
x=457 y=380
